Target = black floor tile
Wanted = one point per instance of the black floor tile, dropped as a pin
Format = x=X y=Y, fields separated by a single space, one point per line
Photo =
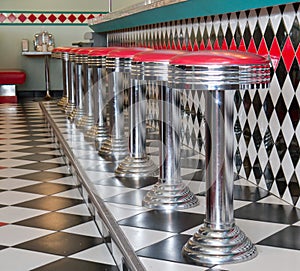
x=156 y=220
x=193 y=163
x=2 y=247
x=107 y=167
x=32 y=137
x=36 y=149
x=43 y=176
x=45 y=188
x=33 y=143
x=50 y=203
x=127 y=182
x=69 y=264
x=54 y=221
x=284 y=214
x=285 y=238
x=195 y=176
x=129 y=198
x=38 y=157
x=61 y=243
x=168 y=249
x=39 y=166
x=249 y=193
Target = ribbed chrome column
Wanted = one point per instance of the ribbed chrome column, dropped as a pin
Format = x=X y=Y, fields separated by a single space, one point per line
x=98 y=132
x=169 y=192
x=77 y=113
x=86 y=121
x=69 y=107
x=137 y=164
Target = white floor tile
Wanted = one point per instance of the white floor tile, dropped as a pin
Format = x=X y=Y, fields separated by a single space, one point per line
x=12 y=214
x=269 y=259
x=109 y=191
x=13 y=259
x=80 y=209
x=14 y=197
x=12 y=147
x=11 y=235
x=73 y=193
x=256 y=230
x=66 y=180
x=155 y=265
x=88 y=229
x=121 y=211
x=13 y=154
x=98 y=254
x=14 y=162
x=63 y=169
x=140 y=238
x=14 y=172
x=13 y=183
x=272 y=200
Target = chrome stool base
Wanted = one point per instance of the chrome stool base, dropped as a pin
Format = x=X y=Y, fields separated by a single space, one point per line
x=85 y=123
x=170 y=197
x=113 y=149
x=211 y=246
x=76 y=115
x=63 y=101
x=68 y=108
x=132 y=167
x=96 y=134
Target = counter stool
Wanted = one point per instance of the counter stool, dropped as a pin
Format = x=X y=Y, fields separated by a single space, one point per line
x=81 y=85
x=97 y=61
x=169 y=192
x=218 y=74
x=145 y=66
x=75 y=99
x=118 y=66
x=63 y=54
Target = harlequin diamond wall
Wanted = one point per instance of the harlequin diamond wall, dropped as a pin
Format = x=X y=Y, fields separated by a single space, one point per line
x=267 y=121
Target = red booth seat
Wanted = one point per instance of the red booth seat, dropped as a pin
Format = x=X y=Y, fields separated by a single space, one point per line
x=8 y=81
x=12 y=77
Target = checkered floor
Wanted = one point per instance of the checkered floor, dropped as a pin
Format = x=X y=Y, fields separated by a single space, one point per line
x=43 y=214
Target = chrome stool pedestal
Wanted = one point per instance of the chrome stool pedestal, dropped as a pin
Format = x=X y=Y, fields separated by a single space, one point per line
x=85 y=119
x=71 y=103
x=218 y=74
x=118 y=66
x=97 y=61
x=169 y=192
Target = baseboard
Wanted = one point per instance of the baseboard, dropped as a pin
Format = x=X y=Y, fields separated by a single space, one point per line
x=38 y=93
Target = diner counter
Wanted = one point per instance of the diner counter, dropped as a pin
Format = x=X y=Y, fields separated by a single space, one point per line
x=170 y=10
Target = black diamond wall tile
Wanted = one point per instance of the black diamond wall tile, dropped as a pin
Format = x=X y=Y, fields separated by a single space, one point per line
x=247 y=165
x=281 y=34
x=280 y=146
x=257 y=170
x=294 y=151
x=294 y=73
x=280 y=108
x=268 y=106
x=220 y=36
x=269 y=34
x=257 y=137
x=269 y=176
x=281 y=182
